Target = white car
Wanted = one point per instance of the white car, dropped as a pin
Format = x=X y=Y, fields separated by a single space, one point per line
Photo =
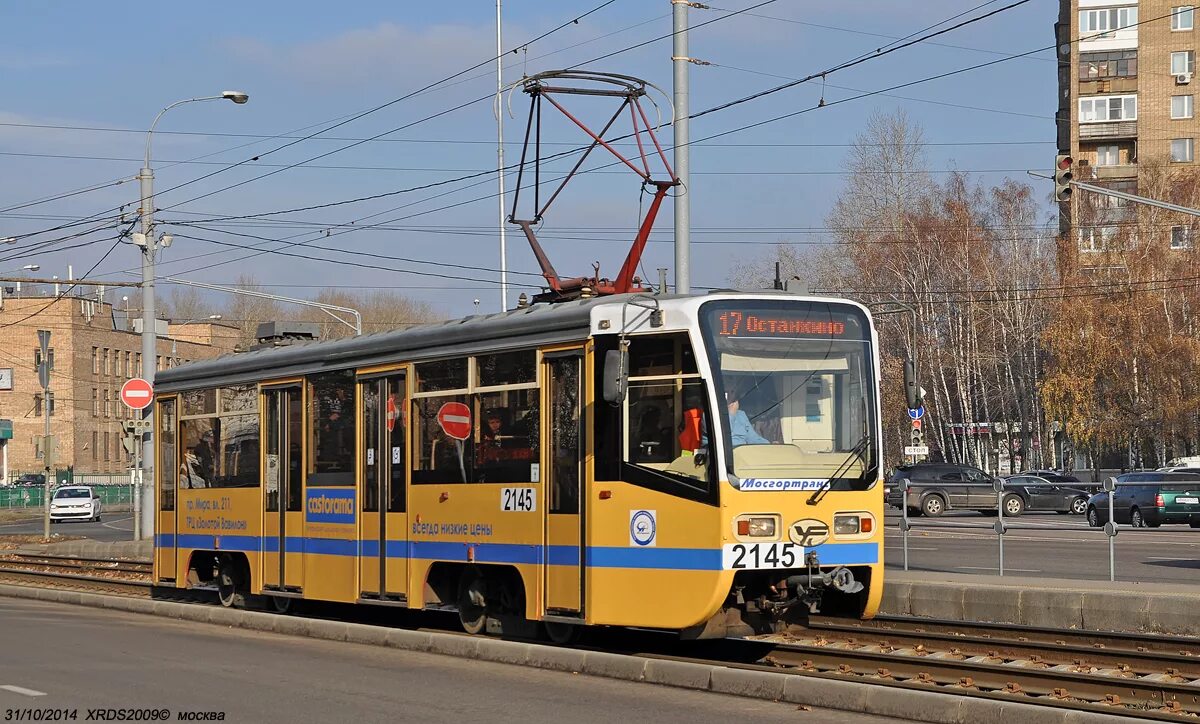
x=74 y=502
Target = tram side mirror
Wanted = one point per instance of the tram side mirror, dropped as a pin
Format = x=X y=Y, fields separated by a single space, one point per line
x=1110 y=484
x=912 y=390
x=616 y=377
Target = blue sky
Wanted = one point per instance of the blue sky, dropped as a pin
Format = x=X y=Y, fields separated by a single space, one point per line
x=305 y=64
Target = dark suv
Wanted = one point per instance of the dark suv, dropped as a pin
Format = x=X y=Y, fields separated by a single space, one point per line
x=1149 y=499
x=938 y=487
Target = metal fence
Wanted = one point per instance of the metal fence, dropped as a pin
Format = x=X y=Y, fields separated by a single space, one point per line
x=17 y=497
x=1001 y=526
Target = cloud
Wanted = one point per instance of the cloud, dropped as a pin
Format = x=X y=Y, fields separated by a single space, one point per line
x=367 y=56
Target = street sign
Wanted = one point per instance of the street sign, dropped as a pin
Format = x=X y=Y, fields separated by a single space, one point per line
x=392 y=413
x=917 y=414
x=455 y=419
x=917 y=450
x=137 y=394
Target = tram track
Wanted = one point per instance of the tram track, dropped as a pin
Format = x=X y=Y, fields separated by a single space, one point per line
x=1154 y=678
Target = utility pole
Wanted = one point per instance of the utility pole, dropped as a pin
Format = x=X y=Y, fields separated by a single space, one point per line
x=44 y=368
x=680 y=60
x=500 y=160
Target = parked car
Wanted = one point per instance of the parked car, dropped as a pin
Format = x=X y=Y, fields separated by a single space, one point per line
x=74 y=502
x=938 y=487
x=1033 y=492
x=1149 y=499
x=30 y=479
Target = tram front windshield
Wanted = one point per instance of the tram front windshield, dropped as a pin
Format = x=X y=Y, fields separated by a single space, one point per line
x=796 y=382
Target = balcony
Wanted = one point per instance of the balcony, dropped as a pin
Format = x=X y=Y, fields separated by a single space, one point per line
x=1114 y=129
x=1127 y=170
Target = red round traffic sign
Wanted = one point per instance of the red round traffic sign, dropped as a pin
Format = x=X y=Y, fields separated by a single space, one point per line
x=392 y=414
x=455 y=419
x=137 y=393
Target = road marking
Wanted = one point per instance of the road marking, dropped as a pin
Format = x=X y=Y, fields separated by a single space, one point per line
x=992 y=568
x=109 y=524
x=22 y=690
x=1160 y=558
x=911 y=548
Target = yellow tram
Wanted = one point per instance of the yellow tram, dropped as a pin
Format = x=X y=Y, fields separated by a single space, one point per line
x=705 y=464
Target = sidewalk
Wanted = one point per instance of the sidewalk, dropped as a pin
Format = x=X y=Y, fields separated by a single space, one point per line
x=141 y=551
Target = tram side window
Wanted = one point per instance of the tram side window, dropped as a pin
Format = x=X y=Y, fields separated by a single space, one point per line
x=221 y=449
x=506 y=436
x=167 y=467
x=441 y=397
x=659 y=436
x=331 y=421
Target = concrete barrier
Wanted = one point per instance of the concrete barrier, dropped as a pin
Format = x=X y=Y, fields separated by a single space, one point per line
x=821 y=691
x=1098 y=605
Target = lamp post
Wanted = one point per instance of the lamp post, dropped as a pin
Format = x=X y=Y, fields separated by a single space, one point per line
x=149 y=246
x=209 y=318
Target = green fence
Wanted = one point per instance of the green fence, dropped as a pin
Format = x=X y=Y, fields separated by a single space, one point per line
x=32 y=496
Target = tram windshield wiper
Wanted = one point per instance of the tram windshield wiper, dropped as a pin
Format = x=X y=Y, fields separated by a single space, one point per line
x=857 y=454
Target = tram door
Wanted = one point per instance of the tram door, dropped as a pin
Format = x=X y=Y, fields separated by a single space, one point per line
x=383 y=563
x=167 y=470
x=563 y=466
x=283 y=502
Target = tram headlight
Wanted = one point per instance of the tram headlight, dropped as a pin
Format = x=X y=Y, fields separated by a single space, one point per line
x=756 y=526
x=847 y=525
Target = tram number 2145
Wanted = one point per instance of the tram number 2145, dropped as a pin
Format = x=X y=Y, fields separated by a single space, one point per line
x=761 y=556
x=520 y=500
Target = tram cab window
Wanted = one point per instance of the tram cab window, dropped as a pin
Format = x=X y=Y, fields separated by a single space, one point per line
x=659 y=436
x=331 y=445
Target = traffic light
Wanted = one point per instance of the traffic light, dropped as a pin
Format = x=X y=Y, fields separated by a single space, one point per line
x=1063 y=176
x=918 y=438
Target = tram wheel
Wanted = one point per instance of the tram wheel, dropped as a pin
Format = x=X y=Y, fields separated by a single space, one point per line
x=229 y=584
x=562 y=633
x=472 y=601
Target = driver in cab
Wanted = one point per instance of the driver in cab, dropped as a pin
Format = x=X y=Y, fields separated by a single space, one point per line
x=741 y=432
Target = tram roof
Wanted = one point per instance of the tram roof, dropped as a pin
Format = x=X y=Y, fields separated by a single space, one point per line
x=538 y=324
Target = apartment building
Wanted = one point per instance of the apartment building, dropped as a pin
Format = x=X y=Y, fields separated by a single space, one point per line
x=93 y=352
x=1127 y=99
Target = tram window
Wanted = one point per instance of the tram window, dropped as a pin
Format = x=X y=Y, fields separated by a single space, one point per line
x=331 y=447
x=396 y=441
x=507 y=368
x=566 y=434
x=371 y=455
x=295 y=433
x=167 y=468
x=506 y=436
x=273 y=473
x=439 y=457
x=446 y=374
x=239 y=398
x=198 y=466
x=659 y=436
x=239 y=452
x=199 y=402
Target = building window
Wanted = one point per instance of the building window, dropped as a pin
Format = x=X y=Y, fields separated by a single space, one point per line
x=95 y=360
x=1115 y=64
x=95 y=402
x=1181 y=237
x=1181 y=106
x=139 y=363
x=1181 y=150
x=95 y=441
x=107 y=448
x=37 y=404
x=1106 y=20
x=107 y=404
x=1181 y=17
x=1108 y=155
x=1101 y=109
x=37 y=357
x=1097 y=238
x=1183 y=61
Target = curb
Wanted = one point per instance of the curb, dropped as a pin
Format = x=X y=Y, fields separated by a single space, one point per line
x=850 y=696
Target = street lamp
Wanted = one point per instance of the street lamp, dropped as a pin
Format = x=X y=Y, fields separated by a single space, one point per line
x=149 y=246
x=209 y=318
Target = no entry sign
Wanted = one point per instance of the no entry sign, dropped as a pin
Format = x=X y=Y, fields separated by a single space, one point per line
x=455 y=419
x=137 y=393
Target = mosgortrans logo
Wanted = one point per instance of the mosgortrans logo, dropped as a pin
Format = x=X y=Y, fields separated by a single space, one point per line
x=330 y=506
x=782 y=483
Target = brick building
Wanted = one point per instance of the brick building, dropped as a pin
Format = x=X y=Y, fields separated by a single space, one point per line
x=93 y=352
x=1126 y=97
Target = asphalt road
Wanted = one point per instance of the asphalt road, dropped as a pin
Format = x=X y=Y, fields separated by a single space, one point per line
x=62 y=656
x=1060 y=546
x=112 y=527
